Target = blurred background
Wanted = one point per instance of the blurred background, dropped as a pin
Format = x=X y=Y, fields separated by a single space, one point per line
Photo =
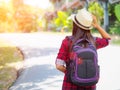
x=26 y=16
x=24 y=25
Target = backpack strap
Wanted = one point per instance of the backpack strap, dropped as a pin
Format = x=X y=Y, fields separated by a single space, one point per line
x=80 y=40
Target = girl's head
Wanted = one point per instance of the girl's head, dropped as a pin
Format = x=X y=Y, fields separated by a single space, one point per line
x=82 y=24
x=78 y=33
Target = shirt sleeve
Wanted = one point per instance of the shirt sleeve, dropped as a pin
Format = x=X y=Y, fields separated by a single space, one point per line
x=62 y=55
x=101 y=42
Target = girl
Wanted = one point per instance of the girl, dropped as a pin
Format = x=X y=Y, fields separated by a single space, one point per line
x=82 y=23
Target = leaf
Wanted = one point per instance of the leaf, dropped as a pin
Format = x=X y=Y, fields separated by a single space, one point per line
x=117 y=11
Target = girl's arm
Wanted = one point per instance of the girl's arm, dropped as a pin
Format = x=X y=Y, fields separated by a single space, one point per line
x=61 y=68
x=103 y=33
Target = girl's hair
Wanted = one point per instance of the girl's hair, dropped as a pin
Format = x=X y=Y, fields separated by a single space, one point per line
x=78 y=33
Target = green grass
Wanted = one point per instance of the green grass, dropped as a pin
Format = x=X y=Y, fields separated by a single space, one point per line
x=115 y=39
x=116 y=42
x=10 y=59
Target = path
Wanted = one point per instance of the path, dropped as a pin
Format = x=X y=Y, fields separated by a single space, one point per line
x=40 y=73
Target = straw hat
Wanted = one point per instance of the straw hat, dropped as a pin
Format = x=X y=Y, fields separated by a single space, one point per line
x=83 y=19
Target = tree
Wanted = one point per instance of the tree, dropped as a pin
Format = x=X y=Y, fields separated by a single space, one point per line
x=96 y=9
x=24 y=18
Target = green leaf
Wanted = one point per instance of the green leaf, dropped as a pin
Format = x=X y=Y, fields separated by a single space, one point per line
x=117 y=11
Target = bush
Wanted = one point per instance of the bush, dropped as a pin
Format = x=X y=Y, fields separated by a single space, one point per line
x=115 y=29
x=62 y=22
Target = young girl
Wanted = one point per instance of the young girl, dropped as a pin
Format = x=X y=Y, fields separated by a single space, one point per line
x=82 y=23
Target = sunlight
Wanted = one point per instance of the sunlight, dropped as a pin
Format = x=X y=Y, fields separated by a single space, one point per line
x=38 y=3
x=6 y=1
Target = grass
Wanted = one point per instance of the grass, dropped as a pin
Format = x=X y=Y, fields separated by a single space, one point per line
x=10 y=62
x=115 y=39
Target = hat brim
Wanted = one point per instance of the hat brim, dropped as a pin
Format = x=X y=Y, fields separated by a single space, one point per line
x=85 y=28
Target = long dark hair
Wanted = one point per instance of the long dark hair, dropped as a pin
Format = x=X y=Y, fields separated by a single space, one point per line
x=78 y=33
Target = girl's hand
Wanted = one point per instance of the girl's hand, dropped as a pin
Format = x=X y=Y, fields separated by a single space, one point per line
x=95 y=23
x=103 y=33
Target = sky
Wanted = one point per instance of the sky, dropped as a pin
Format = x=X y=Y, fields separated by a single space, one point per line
x=38 y=3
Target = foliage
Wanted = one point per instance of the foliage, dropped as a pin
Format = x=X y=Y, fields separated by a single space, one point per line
x=117 y=11
x=25 y=20
x=115 y=29
x=15 y=16
x=115 y=19
x=63 y=21
x=96 y=9
x=3 y=14
x=112 y=17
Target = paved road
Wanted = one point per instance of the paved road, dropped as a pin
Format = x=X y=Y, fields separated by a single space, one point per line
x=40 y=51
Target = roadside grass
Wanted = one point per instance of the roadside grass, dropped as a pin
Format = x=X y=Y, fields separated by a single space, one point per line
x=11 y=61
x=115 y=40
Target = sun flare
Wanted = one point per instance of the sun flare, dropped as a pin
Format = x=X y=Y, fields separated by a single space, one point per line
x=38 y=3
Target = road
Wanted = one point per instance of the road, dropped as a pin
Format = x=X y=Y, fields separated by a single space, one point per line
x=40 y=52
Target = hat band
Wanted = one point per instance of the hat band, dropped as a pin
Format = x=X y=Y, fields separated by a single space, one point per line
x=80 y=24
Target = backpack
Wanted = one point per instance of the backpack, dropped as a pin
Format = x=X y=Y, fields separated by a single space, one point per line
x=83 y=67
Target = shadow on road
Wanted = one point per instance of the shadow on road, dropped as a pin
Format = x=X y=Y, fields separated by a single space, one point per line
x=40 y=77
